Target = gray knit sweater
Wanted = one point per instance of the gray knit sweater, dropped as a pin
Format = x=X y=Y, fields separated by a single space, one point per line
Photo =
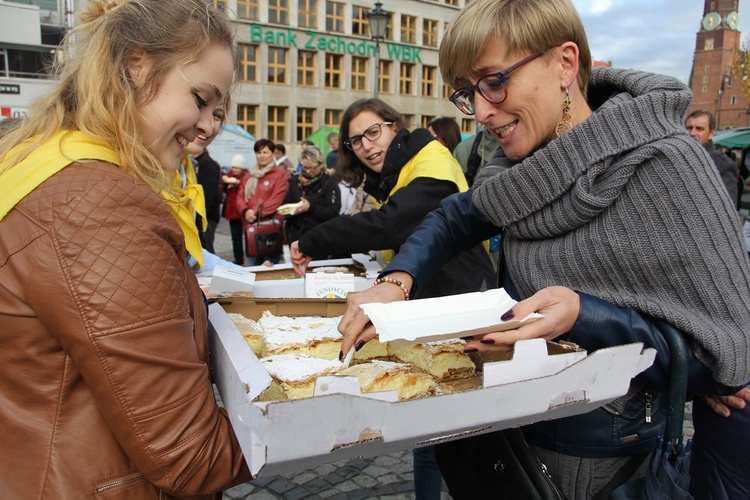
x=607 y=209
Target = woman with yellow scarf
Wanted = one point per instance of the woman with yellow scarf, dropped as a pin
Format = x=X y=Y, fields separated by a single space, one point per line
x=105 y=359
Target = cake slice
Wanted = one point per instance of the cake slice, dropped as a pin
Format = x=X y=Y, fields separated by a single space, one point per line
x=379 y=376
x=294 y=375
x=313 y=335
x=444 y=360
x=250 y=330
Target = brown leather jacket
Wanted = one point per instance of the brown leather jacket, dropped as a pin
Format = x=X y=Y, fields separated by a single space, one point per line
x=104 y=376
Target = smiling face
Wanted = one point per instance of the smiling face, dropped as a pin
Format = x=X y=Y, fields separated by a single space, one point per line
x=526 y=120
x=188 y=106
x=372 y=153
x=265 y=157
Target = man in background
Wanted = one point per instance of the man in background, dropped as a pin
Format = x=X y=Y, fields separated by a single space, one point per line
x=332 y=160
x=701 y=126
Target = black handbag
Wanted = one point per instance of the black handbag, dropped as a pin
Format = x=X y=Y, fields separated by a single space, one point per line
x=497 y=465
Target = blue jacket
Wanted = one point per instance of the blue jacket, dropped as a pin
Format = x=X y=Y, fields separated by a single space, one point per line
x=617 y=429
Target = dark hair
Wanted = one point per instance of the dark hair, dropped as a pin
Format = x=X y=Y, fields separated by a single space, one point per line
x=702 y=112
x=306 y=143
x=447 y=131
x=264 y=143
x=279 y=147
x=349 y=168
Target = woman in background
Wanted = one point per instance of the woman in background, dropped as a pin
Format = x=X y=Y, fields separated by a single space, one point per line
x=446 y=131
x=106 y=381
x=233 y=184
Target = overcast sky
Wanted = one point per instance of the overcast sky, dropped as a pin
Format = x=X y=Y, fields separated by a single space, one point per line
x=650 y=35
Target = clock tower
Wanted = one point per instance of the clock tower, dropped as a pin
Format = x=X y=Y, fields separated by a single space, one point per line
x=711 y=80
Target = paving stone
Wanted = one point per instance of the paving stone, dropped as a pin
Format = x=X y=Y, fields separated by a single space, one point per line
x=240 y=491
x=405 y=486
x=390 y=478
x=376 y=470
x=359 y=464
x=281 y=486
x=325 y=469
x=329 y=493
x=359 y=494
x=317 y=486
x=334 y=478
x=387 y=460
x=384 y=489
x=366 y=481
x=303 y=478
x=262 y=482
x=348 y=472
x=297 y=493
x=347 y=486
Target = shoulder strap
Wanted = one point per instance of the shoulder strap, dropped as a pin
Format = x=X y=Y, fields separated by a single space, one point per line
x=475 y=159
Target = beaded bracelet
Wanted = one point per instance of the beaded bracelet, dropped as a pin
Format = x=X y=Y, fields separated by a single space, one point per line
x=393 y=282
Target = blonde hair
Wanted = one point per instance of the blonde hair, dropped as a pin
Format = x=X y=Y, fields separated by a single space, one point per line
x=94 y=92
x=313 y=154
x=524 y=25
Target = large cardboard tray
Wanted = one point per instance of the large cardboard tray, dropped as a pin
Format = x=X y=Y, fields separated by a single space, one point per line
x=287 y=436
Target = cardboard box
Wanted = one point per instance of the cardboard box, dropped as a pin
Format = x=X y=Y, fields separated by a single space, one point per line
x=286 y=436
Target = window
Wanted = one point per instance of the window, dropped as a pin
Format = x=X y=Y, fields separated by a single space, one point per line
x=447 y=91
x=334 y=72
x=249 y=63
x=335 y=17
x=703 y=90
x=426 y=120
x=705 y=79
x=277 y=123
x=733 y=99
x=451 y=2
x=307 y=14
x=247 y=118
x=409 y=119
x=706 y=69
x=709 y=45
x=360 y=25
x=359 y=73
x=248 y=9
x=278 y=11
x=385 y=76
x=306 y=68
x=276 y=65
x=467 y=126
x=408 y=29
x=406 y=83
x=428 y=81
x=429 y=33
x=333 y=118
x=220 y=5
x=305 y=123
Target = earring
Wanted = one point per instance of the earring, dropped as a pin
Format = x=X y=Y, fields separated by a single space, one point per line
x=565 y=124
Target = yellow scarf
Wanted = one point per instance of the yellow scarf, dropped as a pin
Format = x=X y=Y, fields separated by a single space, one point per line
x=184 y=203
x=59 y=151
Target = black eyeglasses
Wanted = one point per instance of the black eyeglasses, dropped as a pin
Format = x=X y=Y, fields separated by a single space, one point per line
x=493 y=87
x=372 y=133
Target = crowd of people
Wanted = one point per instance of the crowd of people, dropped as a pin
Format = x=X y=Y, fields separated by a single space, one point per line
x=609 y=210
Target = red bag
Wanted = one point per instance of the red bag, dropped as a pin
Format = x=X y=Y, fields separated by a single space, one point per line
x=265 y=237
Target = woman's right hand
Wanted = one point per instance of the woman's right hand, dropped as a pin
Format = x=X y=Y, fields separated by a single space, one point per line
x=299 y=260
x=355 y=326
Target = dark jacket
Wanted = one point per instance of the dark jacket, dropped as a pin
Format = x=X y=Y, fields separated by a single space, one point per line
x=208 y=174
x=459 y=224
x=390 y=225
x=325 y=203
x=728 y=170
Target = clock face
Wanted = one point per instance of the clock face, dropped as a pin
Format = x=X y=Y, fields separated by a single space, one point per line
x=711 y=21
x=732 y=20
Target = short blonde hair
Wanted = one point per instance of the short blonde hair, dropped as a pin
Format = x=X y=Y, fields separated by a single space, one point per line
x=94 y=92
x=532 y=26
x=312 y=154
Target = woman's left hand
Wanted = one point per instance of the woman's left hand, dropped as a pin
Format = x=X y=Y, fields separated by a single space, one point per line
x=559 y=306
x=250 y=215
x=302 y=208
x=722 y=404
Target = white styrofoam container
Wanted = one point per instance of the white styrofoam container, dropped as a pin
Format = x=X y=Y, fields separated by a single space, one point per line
x=286 y=436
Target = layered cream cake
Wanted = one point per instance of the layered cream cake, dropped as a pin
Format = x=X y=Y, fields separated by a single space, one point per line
x=250 y=330
x=294 y=375
x=444 y=359
x=379 y=376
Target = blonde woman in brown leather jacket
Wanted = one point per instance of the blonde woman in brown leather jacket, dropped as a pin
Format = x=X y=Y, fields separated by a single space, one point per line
x=105 y=389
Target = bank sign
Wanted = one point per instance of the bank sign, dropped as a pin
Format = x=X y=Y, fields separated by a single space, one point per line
x=336 y=44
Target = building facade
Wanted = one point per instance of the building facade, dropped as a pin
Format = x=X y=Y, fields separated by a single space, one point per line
x=714 y=85
x=303 y=61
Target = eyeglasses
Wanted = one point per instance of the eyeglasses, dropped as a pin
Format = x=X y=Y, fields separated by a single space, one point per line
x=493 y=87
x=311 y=167
x=371 y=134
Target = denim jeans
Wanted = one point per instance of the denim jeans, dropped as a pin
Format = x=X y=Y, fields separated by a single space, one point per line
x=428 y=482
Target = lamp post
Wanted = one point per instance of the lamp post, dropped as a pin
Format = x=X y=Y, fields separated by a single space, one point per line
x=378 y=20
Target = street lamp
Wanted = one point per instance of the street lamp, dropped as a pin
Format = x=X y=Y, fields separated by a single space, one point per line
x=378 y=20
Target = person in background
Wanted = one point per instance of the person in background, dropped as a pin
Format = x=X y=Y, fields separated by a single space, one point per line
x=594 y=178
x=446 y=131
x=701 y=126
x=265 y=191
x=332 y=159
x=304 y=144
x=474 y=152
x=208 y=175
x=279 y=154
x=408 y=173
x=235 y=203
x=106 y=377
x=318 y=193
